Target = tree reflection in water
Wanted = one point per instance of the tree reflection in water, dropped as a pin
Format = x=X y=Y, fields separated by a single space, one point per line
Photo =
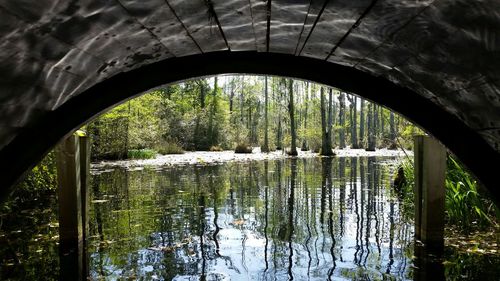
x=306 y=219
x=302 y=219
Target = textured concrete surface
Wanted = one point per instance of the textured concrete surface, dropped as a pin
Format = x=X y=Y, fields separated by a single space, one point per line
x=448 y=51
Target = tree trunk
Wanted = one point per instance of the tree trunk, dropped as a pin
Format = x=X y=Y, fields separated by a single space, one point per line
x=305 y=146
x=392 y=126
x=331 y=120
x=279 y=138
x=279 y=133
x=362 y=123
x=255 y=124
x=371 y=128
x=242 y=100
x=291 y=111
x=326 y=145
x=355 y=143
x=127 y=141
x=376 y=123
x=382 y=122
x=231 y=97
x=249 y=121
x=213 y=106
x=353 y=118
x=265 y=147
x=342 y=120
x=202 y=93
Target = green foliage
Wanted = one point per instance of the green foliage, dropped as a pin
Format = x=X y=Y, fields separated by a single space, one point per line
x=38 y=183
x=108 y=137
x=406 y=134
x=465 y=206
x=144 y=127
x=42 y=175
x=169 y=148
x=407 y=188
x=141 y=154
x=202 y=135
x=313 y=135
x=199 y=114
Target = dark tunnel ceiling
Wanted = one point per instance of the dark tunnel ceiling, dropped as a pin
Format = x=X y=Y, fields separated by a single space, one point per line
x=447 y=51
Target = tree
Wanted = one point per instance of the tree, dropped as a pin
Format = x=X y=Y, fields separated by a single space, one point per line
x=342 y=120
x=371 y=128
x=376 y=123
x=201 y=113
x=203 y=93
x=279 y=128
x=362 y=123
x=382 y=123
x=305 y=145
x=254 y=124
x=353 y=120
x=213 y=108
x=392 y=136
x=331 y=118
x=232 y=91
x=326 y=144
x=291 y=111
x=265 y=147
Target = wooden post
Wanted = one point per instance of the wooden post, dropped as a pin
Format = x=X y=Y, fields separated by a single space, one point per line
x=417 y=169
x=430 y=169
x=84 y=179
x=427 y=265
x=70 y=208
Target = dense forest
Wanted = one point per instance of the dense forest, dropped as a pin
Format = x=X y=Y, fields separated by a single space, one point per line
x=273 y=113
x=224 y=112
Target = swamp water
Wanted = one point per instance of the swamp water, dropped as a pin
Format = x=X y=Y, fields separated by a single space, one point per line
x=300 y=219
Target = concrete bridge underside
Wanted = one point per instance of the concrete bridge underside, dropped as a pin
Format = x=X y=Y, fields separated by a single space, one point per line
x=435 y=61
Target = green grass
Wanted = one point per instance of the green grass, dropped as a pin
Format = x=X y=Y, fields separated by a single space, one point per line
x=141 y=154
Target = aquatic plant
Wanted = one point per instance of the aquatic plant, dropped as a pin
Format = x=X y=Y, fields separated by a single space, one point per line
x=465 y=205
x=406 y=189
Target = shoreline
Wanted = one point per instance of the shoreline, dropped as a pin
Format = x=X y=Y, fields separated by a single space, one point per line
x=219 y=157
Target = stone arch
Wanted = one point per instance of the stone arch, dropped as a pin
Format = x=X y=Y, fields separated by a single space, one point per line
x=38 y=138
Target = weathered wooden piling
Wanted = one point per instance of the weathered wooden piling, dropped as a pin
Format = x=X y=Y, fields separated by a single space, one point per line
x=73 y=165
x=70 y=208
x=430 y=168
x=84 y=179
x=84 y=142
x=427 y=265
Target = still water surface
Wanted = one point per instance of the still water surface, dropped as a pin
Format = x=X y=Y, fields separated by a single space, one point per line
x=302 y=219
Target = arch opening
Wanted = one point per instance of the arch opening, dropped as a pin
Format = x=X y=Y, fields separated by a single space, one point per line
x=464 y=142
